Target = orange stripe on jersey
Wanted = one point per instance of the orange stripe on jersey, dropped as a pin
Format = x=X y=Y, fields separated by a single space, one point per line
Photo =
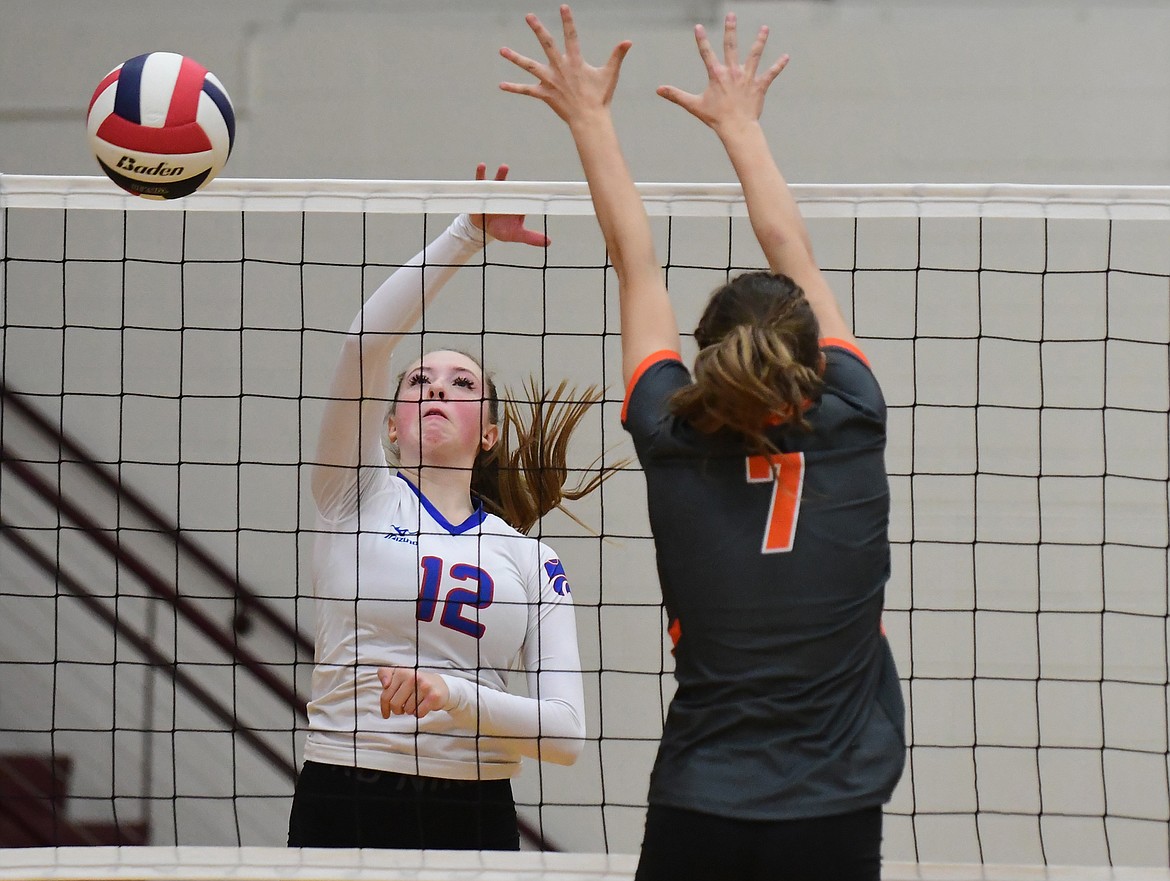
x=675 y=631
x=647 y=362
x=848 y=347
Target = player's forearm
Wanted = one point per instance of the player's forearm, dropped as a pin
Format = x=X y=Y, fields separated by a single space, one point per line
x=395 y=307
x=551 y=728
x=778 y=224
x=397 y=304
x=616 y=202
x=772 y=209
x=647 y=317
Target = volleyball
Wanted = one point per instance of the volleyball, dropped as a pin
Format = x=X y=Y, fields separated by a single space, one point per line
x=161 y=125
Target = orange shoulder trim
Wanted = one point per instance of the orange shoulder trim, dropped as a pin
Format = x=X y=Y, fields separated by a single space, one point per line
x=647 y=362
x=833 y=342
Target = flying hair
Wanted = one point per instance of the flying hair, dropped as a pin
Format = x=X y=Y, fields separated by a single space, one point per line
x=524 y=475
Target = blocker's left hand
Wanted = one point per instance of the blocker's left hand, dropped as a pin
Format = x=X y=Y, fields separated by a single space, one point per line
x=506 y=227
x=410 y=692
x=574 y=90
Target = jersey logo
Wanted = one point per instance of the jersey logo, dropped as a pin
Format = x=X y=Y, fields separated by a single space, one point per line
x=785 y=471
x=402 y=534
x=556 y=574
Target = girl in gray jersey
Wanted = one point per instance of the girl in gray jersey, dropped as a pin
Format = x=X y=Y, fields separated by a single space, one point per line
x=769 y=505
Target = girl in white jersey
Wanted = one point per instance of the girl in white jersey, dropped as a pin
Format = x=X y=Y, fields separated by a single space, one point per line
x=425 y=598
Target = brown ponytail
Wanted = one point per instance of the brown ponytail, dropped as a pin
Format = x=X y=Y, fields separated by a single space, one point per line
x=523 y=476
x=759 y=359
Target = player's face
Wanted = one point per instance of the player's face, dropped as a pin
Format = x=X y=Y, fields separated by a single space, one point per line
x=441 y=412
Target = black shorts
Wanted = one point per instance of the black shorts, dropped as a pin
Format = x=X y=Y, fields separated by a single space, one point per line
x=682 y=845
x=340 y=806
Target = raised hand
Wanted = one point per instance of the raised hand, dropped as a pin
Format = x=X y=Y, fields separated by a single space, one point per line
x=406 y=691
x=567 y=84
x=734 y=92
x=506 y=227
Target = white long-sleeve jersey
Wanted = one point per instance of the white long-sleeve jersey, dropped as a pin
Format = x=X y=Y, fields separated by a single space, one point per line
x=396 y=584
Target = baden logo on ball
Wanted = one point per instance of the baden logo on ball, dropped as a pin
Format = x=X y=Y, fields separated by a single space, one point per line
x=161 y=125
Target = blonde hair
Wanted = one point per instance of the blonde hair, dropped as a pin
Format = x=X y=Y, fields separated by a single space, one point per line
x=759 y=360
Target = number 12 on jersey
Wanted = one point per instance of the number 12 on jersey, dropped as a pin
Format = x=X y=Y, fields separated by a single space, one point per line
x=457 y=598
x=785 y=471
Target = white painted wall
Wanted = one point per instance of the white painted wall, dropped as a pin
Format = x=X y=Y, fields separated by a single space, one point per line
x=879 y=90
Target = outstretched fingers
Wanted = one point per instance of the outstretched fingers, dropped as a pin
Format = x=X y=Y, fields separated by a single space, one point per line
x=756 y=52
x=730 y=41
x=569 y=27
x=705 y=51
x=774 y=71
x=542 y=72
x=534 y=238
x=525 y=63
x=685 y=100
x=569 y=85
x=481 y=172
x=506 y=227
x=617 y=56
x=545 y=38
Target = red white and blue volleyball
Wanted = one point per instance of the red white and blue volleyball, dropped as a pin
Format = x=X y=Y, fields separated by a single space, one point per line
x=161 y=125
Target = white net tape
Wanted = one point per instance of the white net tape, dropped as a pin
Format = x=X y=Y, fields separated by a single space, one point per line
x=543 y=197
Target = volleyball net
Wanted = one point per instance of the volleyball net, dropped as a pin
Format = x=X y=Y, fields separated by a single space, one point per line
x=164 y=370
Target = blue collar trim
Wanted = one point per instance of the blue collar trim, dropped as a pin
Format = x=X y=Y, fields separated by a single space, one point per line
x=474 y=519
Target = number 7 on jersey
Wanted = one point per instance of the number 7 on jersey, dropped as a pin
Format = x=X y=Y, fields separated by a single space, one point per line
x=786 y=473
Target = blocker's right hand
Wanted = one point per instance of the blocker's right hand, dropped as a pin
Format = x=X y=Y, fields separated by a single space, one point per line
x=506 y=227
x=735 y=91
